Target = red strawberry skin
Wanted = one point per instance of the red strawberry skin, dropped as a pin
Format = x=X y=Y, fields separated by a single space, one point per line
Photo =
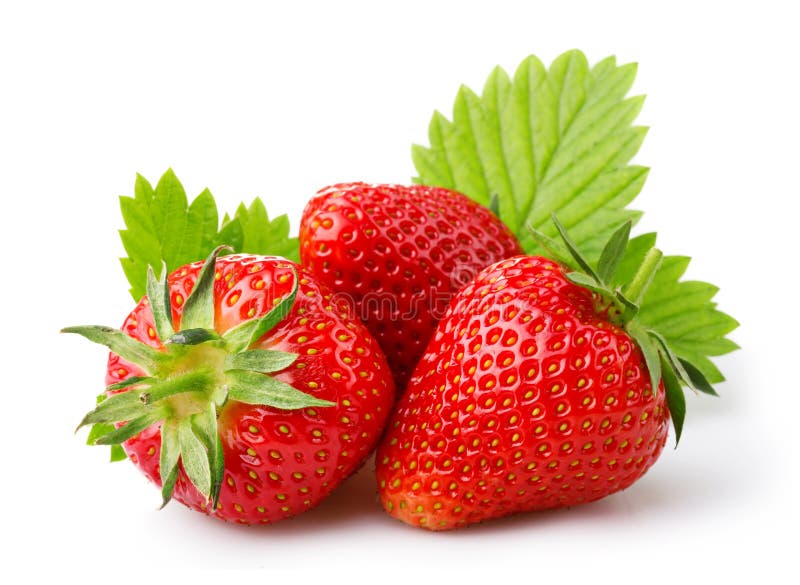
x=527 y=398
x=278 y=463
x=399 y=253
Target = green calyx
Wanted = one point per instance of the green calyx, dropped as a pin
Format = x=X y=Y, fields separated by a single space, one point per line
x=187 y=383
x=622 y=304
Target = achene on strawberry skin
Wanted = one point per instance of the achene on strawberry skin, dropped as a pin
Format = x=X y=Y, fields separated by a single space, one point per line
x=400 y=253
x=298 y=407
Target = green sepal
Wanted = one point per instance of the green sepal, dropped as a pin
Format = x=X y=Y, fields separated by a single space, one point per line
x=120 y=407
x=255 y=388
x=195 y=381
x=574 y=252
x=205 y=427
x=587 y=281
x=198 y=311
x=194 y=457
x=650 y=352
x=117 y=453
x=697 y=378
x=158 y=294
x=672 y=359
x=168 y=462
x=260 y=360
x=247 y=333
x=131 y=429
x=121 y=344
x=613 y=252
x=192 y=336
x=676 y=401
x=132 y=381
x=553 y=247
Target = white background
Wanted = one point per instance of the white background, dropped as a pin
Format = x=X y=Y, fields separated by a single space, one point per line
x=278 y=102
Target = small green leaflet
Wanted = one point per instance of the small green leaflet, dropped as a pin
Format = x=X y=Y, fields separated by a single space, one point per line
x=547 y=140
x=162 y=226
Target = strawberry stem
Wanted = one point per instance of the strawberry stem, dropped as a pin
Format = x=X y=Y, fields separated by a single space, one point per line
x=644 y=276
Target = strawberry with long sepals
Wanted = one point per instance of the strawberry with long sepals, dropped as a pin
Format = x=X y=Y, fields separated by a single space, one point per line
x=539 y=389
x=262 y=397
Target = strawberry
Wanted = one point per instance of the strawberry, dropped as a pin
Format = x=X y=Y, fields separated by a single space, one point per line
x=399 y=253
x=538 y=390
x=267 y=399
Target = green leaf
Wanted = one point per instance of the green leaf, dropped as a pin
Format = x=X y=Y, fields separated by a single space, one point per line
x=260 y=360
x=194 y=457
x=676 y=401
x=158 y=294
x=255 y=388
x=198 y=312
x=264 y=236
x=121 y=344
x=548 y=140
x=683 y=312
x=117 y=453
x=162 y=226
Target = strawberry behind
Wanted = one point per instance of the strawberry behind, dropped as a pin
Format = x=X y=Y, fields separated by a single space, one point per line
x=398 y=254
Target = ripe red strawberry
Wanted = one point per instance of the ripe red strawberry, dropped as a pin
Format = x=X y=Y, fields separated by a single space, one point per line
x=531 y=395
x=400 y=253
x=270 y=400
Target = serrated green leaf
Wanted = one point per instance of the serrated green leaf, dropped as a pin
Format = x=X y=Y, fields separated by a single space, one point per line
x=161 y=225
x=262 y=236
x=550 y=140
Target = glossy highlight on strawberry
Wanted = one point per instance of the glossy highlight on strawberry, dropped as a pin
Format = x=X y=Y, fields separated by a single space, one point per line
x=527 y=398
x=399 y=253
